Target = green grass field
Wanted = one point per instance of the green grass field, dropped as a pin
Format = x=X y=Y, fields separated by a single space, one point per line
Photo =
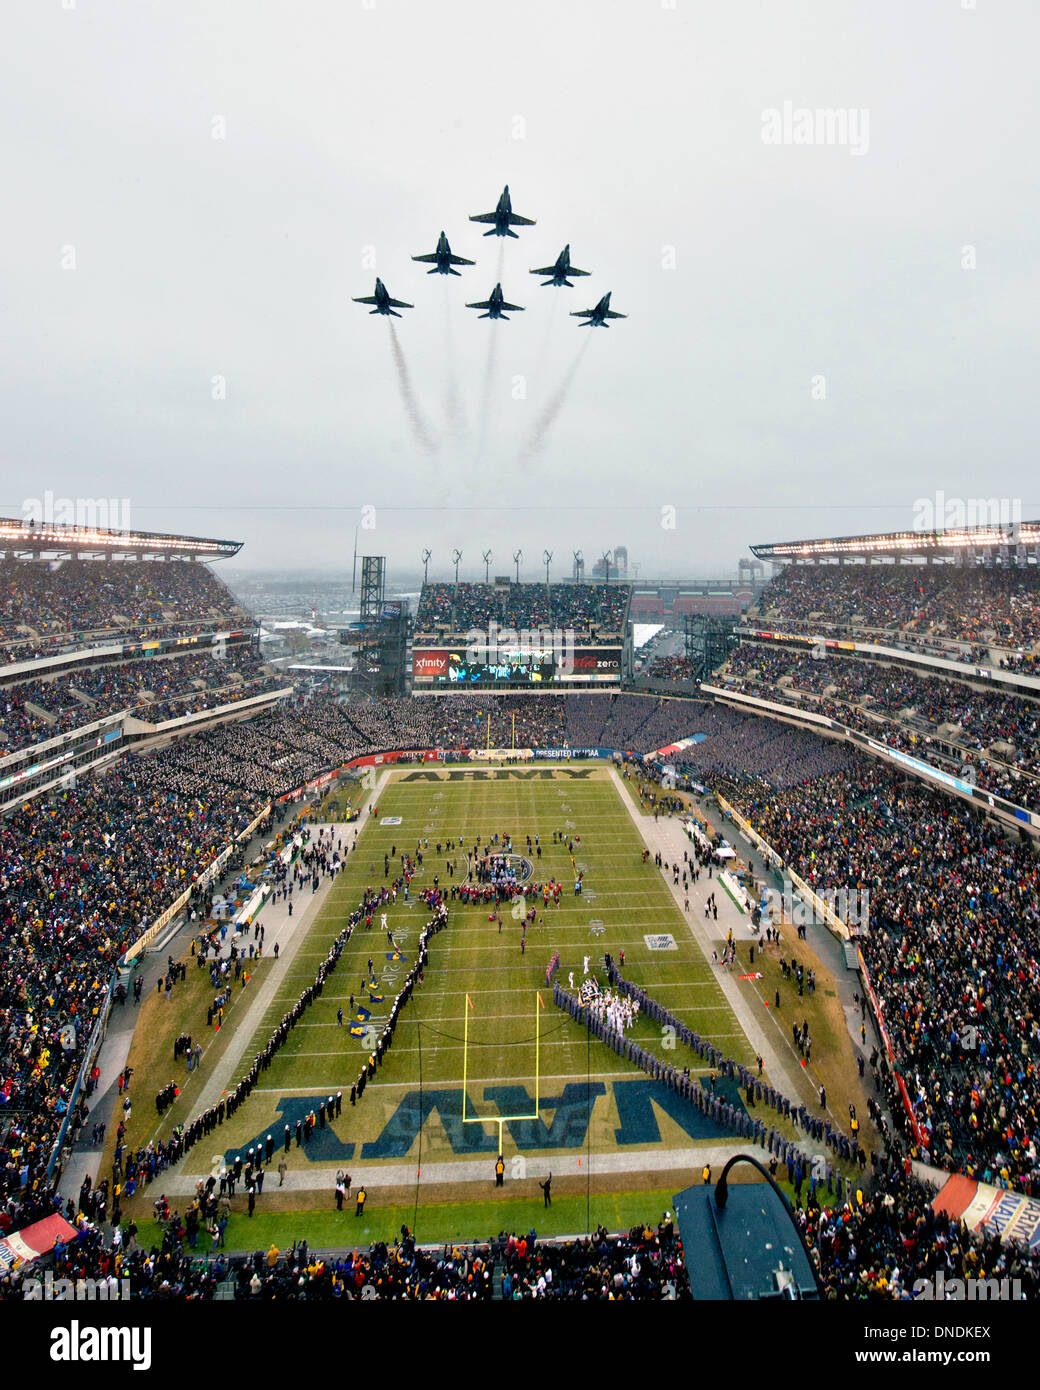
x=558 y=1101
x=623 y=900
x=608 y=1133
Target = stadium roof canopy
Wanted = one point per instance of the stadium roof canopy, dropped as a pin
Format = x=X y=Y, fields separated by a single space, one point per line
x=21 y=539
x=1018 y=540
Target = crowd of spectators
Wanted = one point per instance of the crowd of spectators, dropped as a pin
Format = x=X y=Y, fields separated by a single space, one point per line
x=82 y=873
x=744 y=747
x=152 y=689
x=49 y=607
x=996 y=733
x=671 y=668
x=986 y=606
x=643 y=1264
x=954 y=904
x=881 y=1248
x=954 y=909
x=595 y=612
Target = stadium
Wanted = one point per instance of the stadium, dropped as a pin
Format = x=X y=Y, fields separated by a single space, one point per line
x=519 y=679
x=346 y=964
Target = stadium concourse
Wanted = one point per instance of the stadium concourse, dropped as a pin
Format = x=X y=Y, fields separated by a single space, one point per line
x=950 y=957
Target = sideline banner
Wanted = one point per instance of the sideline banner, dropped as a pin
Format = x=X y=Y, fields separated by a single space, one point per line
x=1012 y=1216
x=33 y=1241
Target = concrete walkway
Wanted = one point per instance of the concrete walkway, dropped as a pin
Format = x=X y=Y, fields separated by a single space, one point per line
x=321 y=1177
x=831 y=952
x=667 y=836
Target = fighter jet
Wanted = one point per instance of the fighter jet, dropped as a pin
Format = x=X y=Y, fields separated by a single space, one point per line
x=503 y=217
x=597 y=318
x=442 y=260
x=495 y=305
x=559 y=272
x=384 y=304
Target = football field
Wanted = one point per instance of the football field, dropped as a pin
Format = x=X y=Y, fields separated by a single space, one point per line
x=483 y=1014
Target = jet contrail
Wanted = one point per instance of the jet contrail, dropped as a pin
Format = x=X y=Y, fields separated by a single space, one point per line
x=485 y=395
x=422 y=434
x=553 y=319
x=540 y=433
x=454 y=413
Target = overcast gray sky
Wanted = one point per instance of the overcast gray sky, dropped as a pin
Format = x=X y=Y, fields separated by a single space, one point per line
x=142 y=259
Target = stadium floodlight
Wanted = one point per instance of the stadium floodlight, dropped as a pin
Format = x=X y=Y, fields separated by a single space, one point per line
x=426 y=564
x=579 y=566
x=487 y=565
x=518 y=556
x=547 y=557
x=607 y=557
x=456 y=556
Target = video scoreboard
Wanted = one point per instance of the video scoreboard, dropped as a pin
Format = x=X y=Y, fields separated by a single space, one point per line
x=440 y=667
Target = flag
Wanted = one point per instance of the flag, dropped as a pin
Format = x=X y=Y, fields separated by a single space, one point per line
x=362 y=1014
x=357 y=1031
x=540 y=999
x=469 y=1001
x=374 y=998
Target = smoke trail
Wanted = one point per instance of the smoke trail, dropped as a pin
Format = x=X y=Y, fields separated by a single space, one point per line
x=419 y=429
x=544 y=423
x=485 y=394
x=453 y=409
x=553 y=319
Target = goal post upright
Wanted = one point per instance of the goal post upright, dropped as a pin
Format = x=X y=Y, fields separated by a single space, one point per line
x=501 y=1120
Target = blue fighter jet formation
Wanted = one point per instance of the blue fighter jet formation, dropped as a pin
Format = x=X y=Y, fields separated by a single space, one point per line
x=503 y=220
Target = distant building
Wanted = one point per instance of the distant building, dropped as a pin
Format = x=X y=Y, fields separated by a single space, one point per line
x=656 y=603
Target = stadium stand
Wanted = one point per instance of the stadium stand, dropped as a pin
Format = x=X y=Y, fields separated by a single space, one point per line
x=48 y=607
x=954 y=903
x=987 y=606
x=993 y=732
x=630 y=1267
x=151 y=689
x=950 y=952
x=594 y=611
